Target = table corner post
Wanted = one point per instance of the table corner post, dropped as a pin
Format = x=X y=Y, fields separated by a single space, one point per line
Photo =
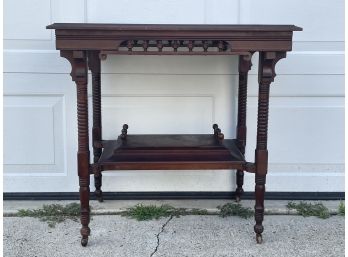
x=244 y=66
x=266 y=75
x=79 y=74
x=94 y=64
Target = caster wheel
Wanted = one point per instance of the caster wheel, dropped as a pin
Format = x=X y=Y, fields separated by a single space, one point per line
x=237 y=198
x=100 y=199
x=84 y=242
x=259 y=238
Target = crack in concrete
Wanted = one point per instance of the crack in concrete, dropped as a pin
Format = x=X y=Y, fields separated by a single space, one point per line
x=158 y=235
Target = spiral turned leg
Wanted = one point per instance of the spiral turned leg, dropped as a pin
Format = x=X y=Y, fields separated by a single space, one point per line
x=267 y=62
x=243 y=68
x=79 y=74
x=85 y=211
x=240 y=180
x=94 y=66
x=259 y=206
x=83 y=158
x=98 y=183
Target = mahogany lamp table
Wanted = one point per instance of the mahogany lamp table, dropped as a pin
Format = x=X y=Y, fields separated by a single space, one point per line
x=86 y=44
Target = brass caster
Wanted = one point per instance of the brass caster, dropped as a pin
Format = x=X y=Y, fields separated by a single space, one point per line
x=84 y=242
x=259 y=238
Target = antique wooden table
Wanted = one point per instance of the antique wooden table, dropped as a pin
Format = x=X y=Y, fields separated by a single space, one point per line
x=85 y=45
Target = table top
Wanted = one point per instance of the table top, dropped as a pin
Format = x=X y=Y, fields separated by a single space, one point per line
x=173 y=27
x=214 y=39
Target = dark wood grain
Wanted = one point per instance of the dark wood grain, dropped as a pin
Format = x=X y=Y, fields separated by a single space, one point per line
x=141 y=152
x=91 y=43
x=244 y=66
x=173 y=27
x=78 y=61
x=95 y=67
x=237 y=38
x=267 y=62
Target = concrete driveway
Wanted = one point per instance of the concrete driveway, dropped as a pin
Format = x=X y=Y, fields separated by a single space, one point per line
x=209 y=235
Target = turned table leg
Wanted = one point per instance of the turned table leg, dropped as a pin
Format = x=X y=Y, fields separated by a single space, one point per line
x=243 y=68
x=78 y=62
x=267 y=62
x=94 y=66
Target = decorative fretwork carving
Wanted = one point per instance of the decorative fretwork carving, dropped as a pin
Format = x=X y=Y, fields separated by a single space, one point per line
x=130 y=44
x=206 y=45
x=221 y=46
x=145 y=45
x=171 y=47
x=159 y=45
x=174 y=45
x=190 y=45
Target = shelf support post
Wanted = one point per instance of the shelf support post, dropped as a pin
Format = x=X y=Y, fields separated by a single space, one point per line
x=243 y=67
x=78 y=61
x=267 y=62
x=94 y=65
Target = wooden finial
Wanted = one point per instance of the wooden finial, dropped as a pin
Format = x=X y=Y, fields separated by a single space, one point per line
x=145 y=45
x=217 y=132
x=205 y=45
x=221 y=45
x=124 y=132
x=175 y=45
x=160 y=45
x=215 y=127
x=130 y=45
x=190 y=45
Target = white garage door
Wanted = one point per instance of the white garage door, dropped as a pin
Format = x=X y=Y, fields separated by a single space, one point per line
x=174 y=95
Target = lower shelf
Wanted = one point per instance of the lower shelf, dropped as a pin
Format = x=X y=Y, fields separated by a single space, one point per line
x=171 y=152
